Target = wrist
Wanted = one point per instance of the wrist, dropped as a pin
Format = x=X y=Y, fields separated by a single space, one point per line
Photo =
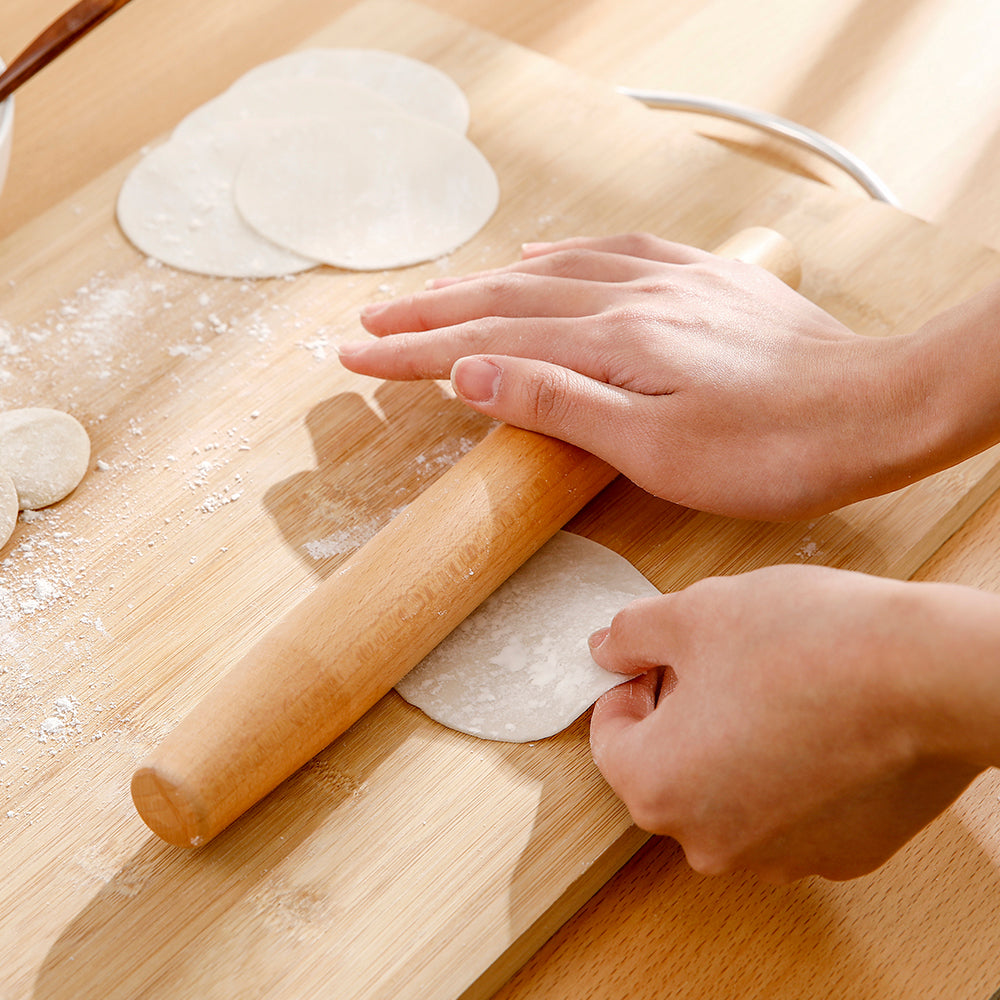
x=922 y=402
x=951 y=371
x=886 y=434
x=950 y=672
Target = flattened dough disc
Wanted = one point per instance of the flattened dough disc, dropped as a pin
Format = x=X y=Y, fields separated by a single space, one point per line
x=8 y=508
x=177 y=205
x=372 y=192
x=282 y=99
x=415 y=86
x=45 y=452
x=519 y=667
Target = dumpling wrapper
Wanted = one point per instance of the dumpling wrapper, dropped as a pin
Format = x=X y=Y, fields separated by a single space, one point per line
x=45 y=452
x=8 y=508
x=280 y=98
x=176 y=205
x=519 y=667
x=369 y=192
x=416 y=87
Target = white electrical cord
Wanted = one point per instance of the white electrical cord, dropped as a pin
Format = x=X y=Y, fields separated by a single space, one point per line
x=775 y=125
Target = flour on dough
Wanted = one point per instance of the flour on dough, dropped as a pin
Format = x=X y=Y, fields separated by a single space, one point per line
x=8 y=508
x=176 y=205
x=371 y=192
x=415 y=86
x=281 y=99
x=519 y=667
x=45 y=452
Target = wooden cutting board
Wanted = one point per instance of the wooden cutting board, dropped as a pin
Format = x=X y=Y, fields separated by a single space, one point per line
x=236 y=464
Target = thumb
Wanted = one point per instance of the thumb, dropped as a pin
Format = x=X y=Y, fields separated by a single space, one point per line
x=613 y=729
x=551 y=400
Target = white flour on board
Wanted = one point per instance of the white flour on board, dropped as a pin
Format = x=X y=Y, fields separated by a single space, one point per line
x=428 y=465
x=57 y=694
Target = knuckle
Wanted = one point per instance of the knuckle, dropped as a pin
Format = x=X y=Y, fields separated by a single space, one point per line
x=648 y=805
x=775 y=874
x=420 y=309
x=629 y=617
x=549 y=399
x=708 y=861
x=646 y=814
x=641 y=244
x=505 y=294
x=569 y=262
x=480 y=336
x=500 y=288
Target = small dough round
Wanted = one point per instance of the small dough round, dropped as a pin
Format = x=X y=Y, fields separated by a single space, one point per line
x=8 y=508
x=416 y=87
x=45 y=452
x=176 y=205
x=368 y=193
x=295 y=97
x=519 y=667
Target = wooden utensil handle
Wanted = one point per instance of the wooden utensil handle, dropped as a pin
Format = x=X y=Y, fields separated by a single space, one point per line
x=68 y=28
x=346 y=645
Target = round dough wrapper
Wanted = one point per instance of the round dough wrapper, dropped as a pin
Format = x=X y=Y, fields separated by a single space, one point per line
x=519 y=667
x=417 y=87
x=280 y=98
x=369 y=192
x=176 y=205
x=8 y=508
x=45 y=452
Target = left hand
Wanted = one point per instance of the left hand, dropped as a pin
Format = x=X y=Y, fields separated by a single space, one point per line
x=705 y=381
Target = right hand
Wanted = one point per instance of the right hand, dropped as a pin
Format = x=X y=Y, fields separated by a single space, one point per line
x=811 y=720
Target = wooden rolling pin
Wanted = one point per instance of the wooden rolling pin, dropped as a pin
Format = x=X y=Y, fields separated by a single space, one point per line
x=347 y=644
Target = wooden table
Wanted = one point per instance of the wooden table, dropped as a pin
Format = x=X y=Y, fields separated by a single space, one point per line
x=925 y=925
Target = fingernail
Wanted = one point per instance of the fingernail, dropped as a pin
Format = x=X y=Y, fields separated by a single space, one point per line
x=475 y=380
x=597 y=639
x=372 y=309
x=534 y=247
x=350 y=347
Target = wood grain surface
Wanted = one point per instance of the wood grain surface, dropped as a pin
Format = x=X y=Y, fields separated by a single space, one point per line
x=239 y=465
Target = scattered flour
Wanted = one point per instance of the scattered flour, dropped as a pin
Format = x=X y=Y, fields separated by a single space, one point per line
x=428 y=465
x=808 y=550
x=343 y=541
x=57 y=694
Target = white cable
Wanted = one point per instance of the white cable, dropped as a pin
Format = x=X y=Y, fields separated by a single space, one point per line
x=774 y=124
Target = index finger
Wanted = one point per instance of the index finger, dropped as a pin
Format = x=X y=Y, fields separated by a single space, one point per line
x=644 y=246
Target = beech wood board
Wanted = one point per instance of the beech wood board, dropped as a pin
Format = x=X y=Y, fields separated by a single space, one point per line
x=239 y=464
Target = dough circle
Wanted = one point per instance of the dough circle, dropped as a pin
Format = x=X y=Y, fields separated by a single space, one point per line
x=8 y=508
x=176 y=205
x=415 y=86
x=369 y=192
x=281 y=99
x=519 y=667
x=45 y=452
x=386 y=114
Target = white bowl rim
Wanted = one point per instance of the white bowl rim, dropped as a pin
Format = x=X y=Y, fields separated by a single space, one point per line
x=6 y=116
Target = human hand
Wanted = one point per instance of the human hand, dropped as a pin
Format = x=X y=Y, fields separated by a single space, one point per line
x=810 y=722
x=706 y=381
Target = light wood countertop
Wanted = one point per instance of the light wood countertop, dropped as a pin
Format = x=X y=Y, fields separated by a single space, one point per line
x=910 y=86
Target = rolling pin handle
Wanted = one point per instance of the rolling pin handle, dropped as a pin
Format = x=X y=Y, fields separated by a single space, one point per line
x=767 y=249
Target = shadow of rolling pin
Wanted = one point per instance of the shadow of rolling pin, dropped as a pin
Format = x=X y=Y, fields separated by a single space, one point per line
x=318 y=670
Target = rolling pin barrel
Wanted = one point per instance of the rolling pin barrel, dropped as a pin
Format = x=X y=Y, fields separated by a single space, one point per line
x=337 y=652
